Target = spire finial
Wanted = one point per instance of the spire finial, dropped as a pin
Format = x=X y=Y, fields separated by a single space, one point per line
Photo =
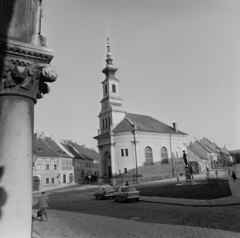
x=108 y=48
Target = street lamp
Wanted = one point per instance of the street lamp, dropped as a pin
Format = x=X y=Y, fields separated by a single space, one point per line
x=134 y=141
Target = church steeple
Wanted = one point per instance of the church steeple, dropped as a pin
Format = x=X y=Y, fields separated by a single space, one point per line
x=111 y=112
x=109 y=70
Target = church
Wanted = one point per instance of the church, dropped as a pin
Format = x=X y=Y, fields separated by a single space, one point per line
x=132 y=147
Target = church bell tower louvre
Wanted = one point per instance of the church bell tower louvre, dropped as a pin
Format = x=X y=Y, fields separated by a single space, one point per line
x=111 y=104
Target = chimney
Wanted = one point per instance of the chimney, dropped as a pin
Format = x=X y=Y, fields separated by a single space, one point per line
x=42 y=135
x=175 y=126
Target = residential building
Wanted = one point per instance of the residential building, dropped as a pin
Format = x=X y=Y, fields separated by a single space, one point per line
x=86 y=161
x=52 y=166
x=199 y=161
x=204 y=153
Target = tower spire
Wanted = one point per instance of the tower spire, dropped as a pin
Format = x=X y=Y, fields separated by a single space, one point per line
x=109 y=70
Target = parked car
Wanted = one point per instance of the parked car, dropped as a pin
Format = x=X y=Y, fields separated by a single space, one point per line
x=104 y=192
x=125 y=193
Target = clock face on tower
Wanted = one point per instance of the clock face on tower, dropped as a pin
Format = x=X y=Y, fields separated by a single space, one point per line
x=105 y=106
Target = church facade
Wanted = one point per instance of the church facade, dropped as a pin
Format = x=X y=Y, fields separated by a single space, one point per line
x=133 y=147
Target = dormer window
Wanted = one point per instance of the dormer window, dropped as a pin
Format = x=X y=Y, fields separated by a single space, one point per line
x=106 y=89
x=114 y=88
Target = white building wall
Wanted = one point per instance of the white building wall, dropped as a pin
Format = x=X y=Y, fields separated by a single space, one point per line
x=156 y=141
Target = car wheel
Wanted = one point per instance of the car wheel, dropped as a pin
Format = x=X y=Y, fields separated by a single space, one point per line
x=124 y=199
x=116 y=200
x=136 y=199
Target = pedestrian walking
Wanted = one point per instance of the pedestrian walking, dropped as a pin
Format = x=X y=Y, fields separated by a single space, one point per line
x=234 y=176
x=216 y=172
x=89 y=177
x=44 y=202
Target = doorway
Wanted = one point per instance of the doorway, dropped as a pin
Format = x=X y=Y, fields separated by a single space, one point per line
x=36 y=183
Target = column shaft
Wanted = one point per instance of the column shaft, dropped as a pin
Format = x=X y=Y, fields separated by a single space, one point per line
x=16 y=153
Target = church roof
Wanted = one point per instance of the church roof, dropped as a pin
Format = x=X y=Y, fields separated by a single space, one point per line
x=145 y=124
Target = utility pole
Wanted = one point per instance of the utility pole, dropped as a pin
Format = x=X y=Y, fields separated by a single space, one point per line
x=135 y=146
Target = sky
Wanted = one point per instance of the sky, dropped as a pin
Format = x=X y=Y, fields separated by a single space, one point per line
x=178 y=61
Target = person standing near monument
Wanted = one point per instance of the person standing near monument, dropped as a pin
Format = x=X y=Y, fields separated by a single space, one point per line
x=44 y=202
x=234 y=176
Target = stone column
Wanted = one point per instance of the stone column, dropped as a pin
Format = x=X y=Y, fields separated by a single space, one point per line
x=24 y=73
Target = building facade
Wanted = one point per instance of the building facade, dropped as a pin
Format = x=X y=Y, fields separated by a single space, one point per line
x=85 y=161
x=134 y=147
x=52 y=166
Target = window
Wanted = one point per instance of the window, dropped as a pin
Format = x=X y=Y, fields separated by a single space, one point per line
x=38 y=165
x=64 y=178
x=109 y=122
x=114 y=88
x=122 y=152
x=106 y=89
x=125 y=170
x=47 y=180
x=126 y=152
x=52 y=180
x=55 y=166
x=106 y=122
x=103 y=123
x=47 y=166
x=164 y=155
x=148 y=155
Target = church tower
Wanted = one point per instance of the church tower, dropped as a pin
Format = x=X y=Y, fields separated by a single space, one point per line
x=111 y=109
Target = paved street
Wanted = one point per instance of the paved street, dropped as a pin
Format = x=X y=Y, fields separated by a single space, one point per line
x=73 y=214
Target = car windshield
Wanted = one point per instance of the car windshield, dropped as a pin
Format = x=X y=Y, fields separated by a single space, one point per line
x=128 y=189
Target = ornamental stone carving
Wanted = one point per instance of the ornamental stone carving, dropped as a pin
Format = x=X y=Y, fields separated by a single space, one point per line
x=31 y=80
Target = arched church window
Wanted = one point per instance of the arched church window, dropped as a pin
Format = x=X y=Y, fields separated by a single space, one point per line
x=164 y=155
x=148 y=155
x=106 y=89
x=114 y=88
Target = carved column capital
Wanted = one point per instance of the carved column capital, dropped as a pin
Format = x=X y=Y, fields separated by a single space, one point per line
x=30 y=81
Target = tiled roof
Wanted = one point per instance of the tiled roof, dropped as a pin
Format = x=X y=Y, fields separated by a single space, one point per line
x=210 y=145
x=145 y=124
x=41 y=148
x=56 y=148
x=73 y=151
x=88 y=153
x=225 y=151
x=198 y=151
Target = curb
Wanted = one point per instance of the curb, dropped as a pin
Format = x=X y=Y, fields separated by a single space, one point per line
x=192 y=205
